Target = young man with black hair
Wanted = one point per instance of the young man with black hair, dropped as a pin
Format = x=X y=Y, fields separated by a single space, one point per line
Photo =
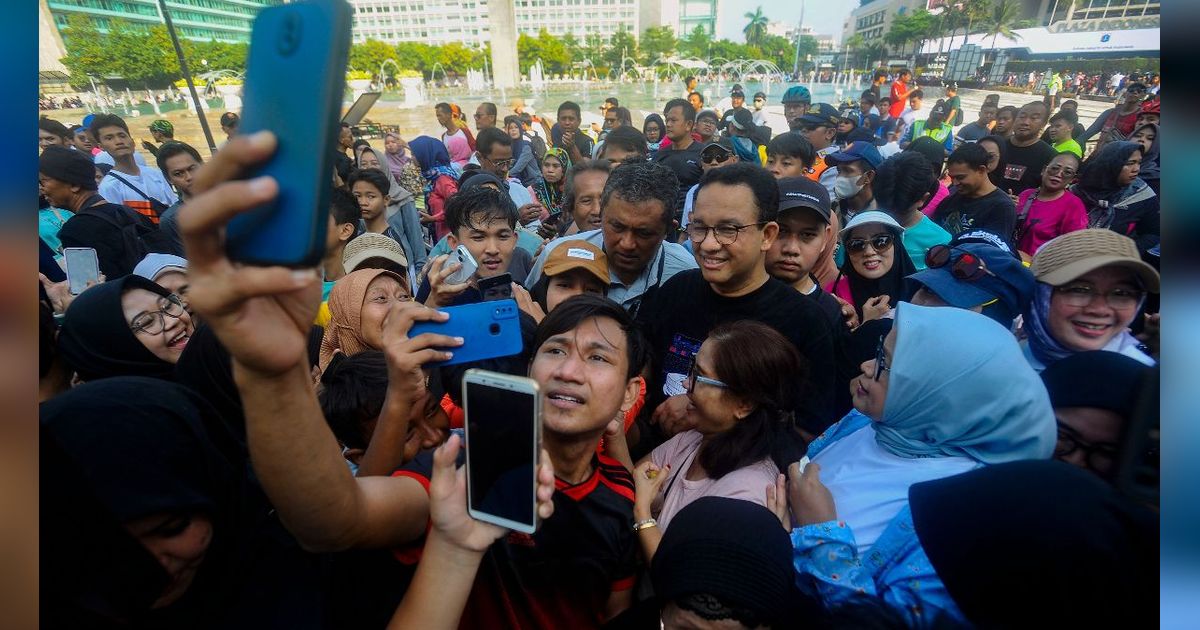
x=878 y=80
x=178 y=162
x=981 y=127
x=1059 y=131
x=143 y=189
x=67 y=179
x=737 y=100
x=683 y=155
x=733 y=225
x=345 y=213
x=615 y=117
x=900 y=92
x=494 y=151
x=53 y=133
x=623 y=143
x=587 y=356
x=637 y=211
x=370 y=189
x=790 y=155
x=567 y=135
x=976 y=203
x=1025 y=155
x=805 y=230
x=707 y=126
x=485 y=221
x=697 y=100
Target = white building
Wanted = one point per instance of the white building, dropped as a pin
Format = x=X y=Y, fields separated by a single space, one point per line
x=465 y=21
x=825 y=43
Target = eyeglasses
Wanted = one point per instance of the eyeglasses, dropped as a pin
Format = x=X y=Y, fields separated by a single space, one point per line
x=881 y=365
x=506 y=164
x=154 y=323
x=1079 y=295
x=1055 y=169
x=693 y=378
x=880 y=243
x=715 y=157
x=1098 y=457
x=725 y=234
x=967 y=267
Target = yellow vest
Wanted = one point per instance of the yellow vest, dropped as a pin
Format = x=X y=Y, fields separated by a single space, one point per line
x=939 y=134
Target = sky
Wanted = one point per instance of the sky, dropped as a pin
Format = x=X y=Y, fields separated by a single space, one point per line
x=825 y=16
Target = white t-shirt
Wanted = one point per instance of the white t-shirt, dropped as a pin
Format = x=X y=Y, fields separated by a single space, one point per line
x=104 y=158
x=149 y=181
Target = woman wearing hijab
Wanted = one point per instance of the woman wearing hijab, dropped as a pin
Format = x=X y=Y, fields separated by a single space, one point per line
x=654 y=129
x=358 y=304
x=167 y=271
x=1115 y=197
x=947 y=393
x=526 y=167
x=401 y=164
x=441 y=181
x=158 y=525
x=401 y=211
x=1091 y=286
x=872 y=276
x=125 y=327
x=1146 y=135
x=550 y=189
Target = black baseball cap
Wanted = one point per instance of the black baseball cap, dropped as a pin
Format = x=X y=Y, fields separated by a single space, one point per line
x=758 y=95
x=723 y=144
x=743 y=120
x=707 y=113
x=821 y=114
x=737 y=93
x=802 y=192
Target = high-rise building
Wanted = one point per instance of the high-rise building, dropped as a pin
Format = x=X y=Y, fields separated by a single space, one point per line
x=222 y=20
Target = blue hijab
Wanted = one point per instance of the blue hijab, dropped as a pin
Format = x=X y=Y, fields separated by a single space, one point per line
x=433 y=159
x=960 y=386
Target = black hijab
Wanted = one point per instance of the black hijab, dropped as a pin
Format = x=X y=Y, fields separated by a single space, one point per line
x=892 y=284
x=1098 y=176
x=1042 y=536
x=96 y=340
x=205 y=367
x=997 y=176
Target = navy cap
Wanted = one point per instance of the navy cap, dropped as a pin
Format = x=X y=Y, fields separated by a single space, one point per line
x=821 y=114
x=743 y=120
x=802 y=192
x=1012 y=285
x=796 y=94
x=762 y=95
x=707 y=113
x=860 y=150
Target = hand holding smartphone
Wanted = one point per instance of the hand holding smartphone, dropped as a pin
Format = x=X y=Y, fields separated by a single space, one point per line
x=462 y=256
x=83 y=268
x=489 y=330
x=504 y=434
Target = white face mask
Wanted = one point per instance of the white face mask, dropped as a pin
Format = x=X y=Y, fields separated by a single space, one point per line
x=846 y=186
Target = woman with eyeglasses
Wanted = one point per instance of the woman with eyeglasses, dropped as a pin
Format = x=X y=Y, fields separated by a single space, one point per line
x=1115 y=197
x=876 y=263
x=1091 y=286
x=1051 y=209
x=653 y=128
x=1095 y=395
x=946 y=393
x=738 y=387
x=125 y=327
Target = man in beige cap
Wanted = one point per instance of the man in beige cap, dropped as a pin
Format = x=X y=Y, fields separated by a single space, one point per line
x=574 y=268
x=375 y=251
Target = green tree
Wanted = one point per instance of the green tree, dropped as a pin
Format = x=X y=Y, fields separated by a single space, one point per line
x=594 y=47
x=853 y=45
x=556 y=58
x=756 y=28
x=417 y=56
x=455 y=57
x=143 y=57
x=657 y=41
x=86 y=54
x=696 y=44
x=1001 y=20
x=875 y=53
x=623 y=45
x=574 y=46
x=370 y=55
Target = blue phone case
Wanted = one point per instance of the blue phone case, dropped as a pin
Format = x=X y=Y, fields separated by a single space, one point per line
x=489 y=330
x=295 y=82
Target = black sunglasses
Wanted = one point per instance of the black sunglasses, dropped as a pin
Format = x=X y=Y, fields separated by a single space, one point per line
x=967 y=267
x=715 y=157
x=880 y=243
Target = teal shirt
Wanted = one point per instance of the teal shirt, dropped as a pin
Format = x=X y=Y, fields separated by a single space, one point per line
x=920 y=237
x=50 y=221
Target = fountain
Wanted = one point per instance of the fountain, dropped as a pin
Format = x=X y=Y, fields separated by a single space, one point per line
x=537 y=77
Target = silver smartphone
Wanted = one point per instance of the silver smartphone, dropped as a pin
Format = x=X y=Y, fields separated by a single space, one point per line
x=462 y=256
x=82 y=267
x=504 y=437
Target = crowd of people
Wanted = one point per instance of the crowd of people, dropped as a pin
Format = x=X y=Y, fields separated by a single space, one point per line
x=879 y=369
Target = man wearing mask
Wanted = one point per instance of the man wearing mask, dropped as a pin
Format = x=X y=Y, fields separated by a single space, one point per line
x=796 y=101
x=855 y=172
x=819 y=127
x=637 y=211
x=1025 y=155
x=683 y=156
x=760 y=116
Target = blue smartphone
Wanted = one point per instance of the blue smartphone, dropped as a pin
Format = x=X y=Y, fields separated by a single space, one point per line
x=295 y=81
x=489 y=330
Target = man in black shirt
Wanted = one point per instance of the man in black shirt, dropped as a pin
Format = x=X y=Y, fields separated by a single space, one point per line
x=738 y=99
x=1025 y=154
x=732 y=227
x=976 y=203
x=566 y=134
x=683 y=156
x=971 y=132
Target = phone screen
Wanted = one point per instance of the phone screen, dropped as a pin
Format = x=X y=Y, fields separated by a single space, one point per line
x=82 y=267
x=496 y=288
x=501 y=451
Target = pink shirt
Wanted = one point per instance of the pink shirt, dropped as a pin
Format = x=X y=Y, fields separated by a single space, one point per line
x=941 y=194
x=748 y=483
x=1048 y=219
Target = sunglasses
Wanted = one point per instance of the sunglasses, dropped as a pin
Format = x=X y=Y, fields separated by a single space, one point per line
x=715 y=157
x=967 y=267
x=880 y=243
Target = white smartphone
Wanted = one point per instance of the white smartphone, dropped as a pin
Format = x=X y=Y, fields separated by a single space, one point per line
x=462 y=256
x=82 y=267
x=504 y=437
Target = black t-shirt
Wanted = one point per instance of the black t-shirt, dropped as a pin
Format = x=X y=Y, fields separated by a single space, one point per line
x=972 y=132
x=993 y=212
x=1022 y=168
x=683 y=311
x=727 y=117
x=88 y=229
x=582 y=141
x=562 y=575
x=686 y=164
x=343 y=164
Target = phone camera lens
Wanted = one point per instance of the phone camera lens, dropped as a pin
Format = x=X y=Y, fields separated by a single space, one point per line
x=494 y=329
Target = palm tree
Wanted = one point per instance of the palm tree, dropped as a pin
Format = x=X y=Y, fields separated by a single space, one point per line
x=756 y=29
x=976 y=11
x=1001 y=20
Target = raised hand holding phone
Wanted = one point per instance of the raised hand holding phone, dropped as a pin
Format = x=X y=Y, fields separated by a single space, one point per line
x=442 y=287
